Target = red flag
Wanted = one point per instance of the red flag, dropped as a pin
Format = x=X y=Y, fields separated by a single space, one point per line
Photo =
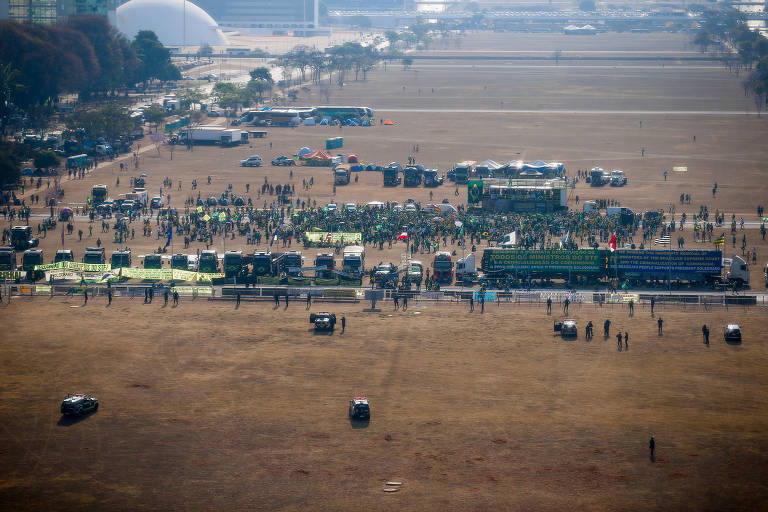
x=612 y=243
x=403 y=236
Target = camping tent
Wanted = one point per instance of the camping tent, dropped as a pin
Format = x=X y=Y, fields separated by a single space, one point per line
x=303 y=151
x=352 y=159
x=388 y=122
x=310 y=121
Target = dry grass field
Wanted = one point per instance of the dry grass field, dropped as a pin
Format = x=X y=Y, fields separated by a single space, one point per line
x=208 y=407
x=205 y=407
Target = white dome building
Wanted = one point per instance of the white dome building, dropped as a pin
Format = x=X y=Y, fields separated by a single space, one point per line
x=166 y=18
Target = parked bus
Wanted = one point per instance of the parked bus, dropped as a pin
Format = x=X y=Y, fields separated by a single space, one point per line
x=342 y=113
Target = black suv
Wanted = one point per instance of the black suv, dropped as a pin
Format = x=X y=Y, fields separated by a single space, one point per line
x=76 y=405
x=359 y=408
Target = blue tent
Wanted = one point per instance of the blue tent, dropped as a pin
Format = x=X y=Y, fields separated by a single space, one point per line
x=324 y=122
x=303 y=151
x=310 y=121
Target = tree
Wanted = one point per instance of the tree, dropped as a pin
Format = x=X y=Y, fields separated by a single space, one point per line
x=190 y=97
x=45 y=159
x=155 y=116
x=703 y=40
x=262 y=73
x=109 y=121
x=155 y=58
x=9 y=169
x=112 y=53
x=587 y=5
x=392 y=37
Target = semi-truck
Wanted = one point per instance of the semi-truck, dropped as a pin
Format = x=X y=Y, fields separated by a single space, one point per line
x=391 y=174
x=153 y=261
x=462 y=171
x=209 y=261
x=215 y=135
x=180 y=261
x=341 y=175
x=291 y=263
x=7 y=258
x=64 y=255
x=466 y=271
x=353 y=261
x=442 y=267
x=431 y=178
x=30 y=258
x=599 y=177
x=412 y=175
x=94 y=255
x=325 y=259
x=233 y=263
x=120 y=259
x=22 y=239
x=617 y=178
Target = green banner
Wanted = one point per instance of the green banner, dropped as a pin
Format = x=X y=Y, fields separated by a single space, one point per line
x=321 y=237
x=474 y=191
x=75 y=266
x=546 y=260
x=166 y=274
x=11 y=274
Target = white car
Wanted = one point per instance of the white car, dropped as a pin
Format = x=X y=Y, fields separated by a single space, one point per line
x=251 y=161
x=350 y=207
x=410 y=207
x=331 y=207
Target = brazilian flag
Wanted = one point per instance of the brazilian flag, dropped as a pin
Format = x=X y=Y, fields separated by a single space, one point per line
x=474 y=191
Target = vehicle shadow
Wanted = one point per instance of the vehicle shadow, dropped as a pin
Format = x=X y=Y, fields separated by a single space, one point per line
x=359 y=423
x=67 y=421
x=321 y=333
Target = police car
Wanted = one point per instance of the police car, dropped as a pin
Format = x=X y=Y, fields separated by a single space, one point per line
x=76 y=405
x=359 y=408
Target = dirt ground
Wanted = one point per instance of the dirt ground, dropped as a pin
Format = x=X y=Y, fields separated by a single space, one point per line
x=205 y=407
x=208 y=407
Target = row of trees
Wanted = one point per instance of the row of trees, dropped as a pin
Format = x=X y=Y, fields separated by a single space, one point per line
x=741 y=49
x=337 y=61
x=84 y=56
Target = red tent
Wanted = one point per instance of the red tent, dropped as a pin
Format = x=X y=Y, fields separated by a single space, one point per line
x=317 y=155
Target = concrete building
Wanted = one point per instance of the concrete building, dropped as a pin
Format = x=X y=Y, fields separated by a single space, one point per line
x=42 y=12
x=299 y=17
x=48 y=12
x=176 y=22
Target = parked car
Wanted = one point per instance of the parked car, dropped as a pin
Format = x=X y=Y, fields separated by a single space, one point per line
x=732 y=333
x=76 y=405
x=251 y=161
x=283 y=160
